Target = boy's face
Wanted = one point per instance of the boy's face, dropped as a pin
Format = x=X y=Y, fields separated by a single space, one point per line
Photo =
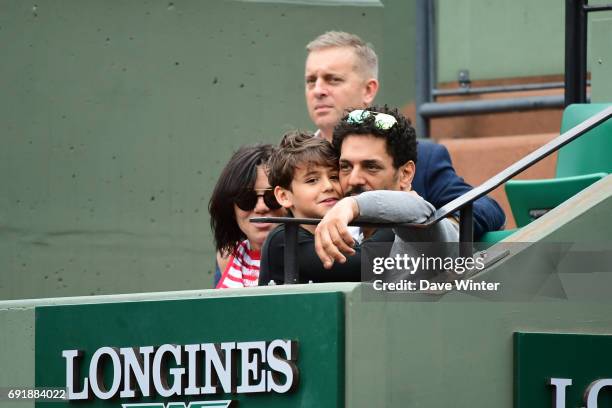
x=314 y=190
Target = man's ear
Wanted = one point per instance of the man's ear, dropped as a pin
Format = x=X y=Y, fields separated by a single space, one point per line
x=284 y=197
x=370 y=90
x=406 y=174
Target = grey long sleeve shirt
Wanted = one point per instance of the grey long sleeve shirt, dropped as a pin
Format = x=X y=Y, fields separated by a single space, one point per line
x=403 y=207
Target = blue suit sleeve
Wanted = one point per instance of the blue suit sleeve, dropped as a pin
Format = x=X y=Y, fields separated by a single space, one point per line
x=442 y=185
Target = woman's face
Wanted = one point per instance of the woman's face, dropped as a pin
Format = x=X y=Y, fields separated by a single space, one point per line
x=256 y=233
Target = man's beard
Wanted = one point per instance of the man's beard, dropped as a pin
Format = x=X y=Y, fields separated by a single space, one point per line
x=355 y=191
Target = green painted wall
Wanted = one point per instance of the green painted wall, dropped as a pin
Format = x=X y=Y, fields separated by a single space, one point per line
x=601 y=57
x=117 y=117
x=500 y=39
x=17 y=355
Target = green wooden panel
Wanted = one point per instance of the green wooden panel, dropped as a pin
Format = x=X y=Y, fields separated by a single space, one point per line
x=580 y=357
x=316 y=321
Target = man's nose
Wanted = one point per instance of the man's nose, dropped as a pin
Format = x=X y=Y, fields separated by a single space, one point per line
x=356 y=178
x=320 y=88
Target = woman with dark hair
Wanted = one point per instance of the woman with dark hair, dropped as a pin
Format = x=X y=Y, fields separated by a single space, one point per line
x=242 y=192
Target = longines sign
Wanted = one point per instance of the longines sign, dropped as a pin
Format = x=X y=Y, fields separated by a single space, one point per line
x=591 y=393
x=269 y=351
x=144 y=371
x=563 y=370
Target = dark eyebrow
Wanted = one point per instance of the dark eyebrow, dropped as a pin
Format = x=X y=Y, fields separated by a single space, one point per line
x=371 y=163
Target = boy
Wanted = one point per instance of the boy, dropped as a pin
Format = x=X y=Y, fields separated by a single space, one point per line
x=304 y=174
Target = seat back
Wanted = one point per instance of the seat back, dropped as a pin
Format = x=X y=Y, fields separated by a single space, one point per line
x=590 y=153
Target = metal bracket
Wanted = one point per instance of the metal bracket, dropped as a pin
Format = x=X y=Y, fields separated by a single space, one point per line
x=463 y=77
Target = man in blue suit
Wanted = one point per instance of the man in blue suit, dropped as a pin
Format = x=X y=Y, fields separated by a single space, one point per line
x=341 y=74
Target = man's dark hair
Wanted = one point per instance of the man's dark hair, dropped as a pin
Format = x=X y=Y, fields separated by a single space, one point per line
x=238 y=175
x=298 y=149
x=401 y=137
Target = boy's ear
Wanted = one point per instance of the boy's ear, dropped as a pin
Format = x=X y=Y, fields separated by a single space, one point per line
x=283 y=196
x=406 y=174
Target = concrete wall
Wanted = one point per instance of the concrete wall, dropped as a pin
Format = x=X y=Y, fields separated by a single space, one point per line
x=601 y=57
x=500 y=39
x=118 y=116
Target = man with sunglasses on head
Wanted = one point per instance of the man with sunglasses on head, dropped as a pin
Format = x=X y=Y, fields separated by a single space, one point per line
x=377 y=163
x=341 y=75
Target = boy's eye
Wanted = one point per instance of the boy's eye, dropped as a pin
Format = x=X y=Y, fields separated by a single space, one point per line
x=311 y=180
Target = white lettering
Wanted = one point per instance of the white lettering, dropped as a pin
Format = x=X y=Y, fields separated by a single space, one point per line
x=174 y=370
x=560 y=384
x=160 y=379
x=285 y=366
x=415 y=264
x=194 y=373
x=592 y=391
x=224 y=372
x=377 y=265
x=136 y=367
x=72 y=375
x=434 y=286
x=253 y=355
x=95 y=372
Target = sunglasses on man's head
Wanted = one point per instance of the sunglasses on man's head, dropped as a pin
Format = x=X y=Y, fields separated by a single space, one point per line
x=247 y=200
x=382 y=121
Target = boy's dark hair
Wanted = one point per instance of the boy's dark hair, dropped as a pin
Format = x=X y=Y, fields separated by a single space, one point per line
x=238 y=176
x=296 y=149
x=401 y=137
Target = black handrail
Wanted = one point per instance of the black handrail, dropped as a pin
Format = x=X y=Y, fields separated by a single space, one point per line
x=575 y=77
x=463 y=204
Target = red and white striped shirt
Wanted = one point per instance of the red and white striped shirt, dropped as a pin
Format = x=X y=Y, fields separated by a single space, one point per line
x=242 y=268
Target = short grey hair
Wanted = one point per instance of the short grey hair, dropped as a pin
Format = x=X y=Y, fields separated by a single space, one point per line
x=366 y=56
